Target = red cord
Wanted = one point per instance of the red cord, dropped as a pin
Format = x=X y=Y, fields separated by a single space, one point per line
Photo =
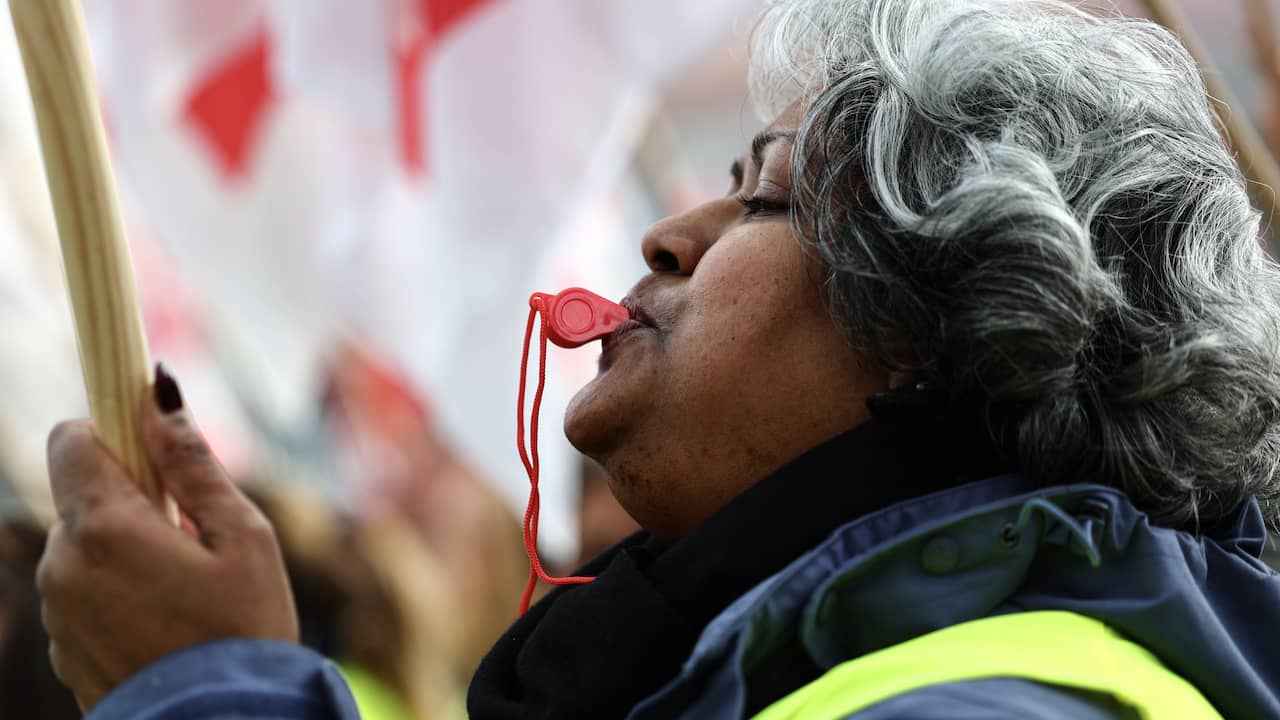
x=530 y=458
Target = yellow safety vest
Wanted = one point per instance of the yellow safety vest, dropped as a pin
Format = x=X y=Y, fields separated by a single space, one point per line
x=1050 y=646
x=374 y=698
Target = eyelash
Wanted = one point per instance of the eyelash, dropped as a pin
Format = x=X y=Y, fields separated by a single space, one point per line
x=757 y=206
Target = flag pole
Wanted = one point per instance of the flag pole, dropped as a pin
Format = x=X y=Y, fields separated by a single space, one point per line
x=1257 y=162
x=95 y=255
x=1262 y=32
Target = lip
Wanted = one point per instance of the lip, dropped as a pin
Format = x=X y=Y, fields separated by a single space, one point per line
x=640 y=319
x=638 y=312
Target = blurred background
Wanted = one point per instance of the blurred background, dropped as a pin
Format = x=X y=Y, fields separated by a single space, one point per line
x=337 y=212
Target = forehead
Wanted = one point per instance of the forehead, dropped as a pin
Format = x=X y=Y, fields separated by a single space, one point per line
x=788 y=120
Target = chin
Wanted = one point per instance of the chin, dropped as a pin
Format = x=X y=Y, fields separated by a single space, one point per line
x=589 y=424
x=608 y=414
x=603 y=416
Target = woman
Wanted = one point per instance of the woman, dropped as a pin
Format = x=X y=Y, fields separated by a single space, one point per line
x=965 y=397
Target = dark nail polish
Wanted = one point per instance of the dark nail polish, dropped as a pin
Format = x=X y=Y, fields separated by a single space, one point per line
x=168 y=396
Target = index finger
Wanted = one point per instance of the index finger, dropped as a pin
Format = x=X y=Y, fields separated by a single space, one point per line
x=82 y=472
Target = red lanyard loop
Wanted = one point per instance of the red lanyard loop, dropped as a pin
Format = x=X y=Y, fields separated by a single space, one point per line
x=575 y=317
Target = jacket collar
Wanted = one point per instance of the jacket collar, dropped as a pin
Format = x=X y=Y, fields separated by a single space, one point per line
x=989 y=547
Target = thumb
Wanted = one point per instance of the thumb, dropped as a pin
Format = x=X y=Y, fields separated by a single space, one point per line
x=187 y=468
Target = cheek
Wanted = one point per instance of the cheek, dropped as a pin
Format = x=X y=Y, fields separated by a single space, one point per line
x=756 y=299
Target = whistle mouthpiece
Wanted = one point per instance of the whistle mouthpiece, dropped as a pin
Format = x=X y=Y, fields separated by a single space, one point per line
x=576 y=316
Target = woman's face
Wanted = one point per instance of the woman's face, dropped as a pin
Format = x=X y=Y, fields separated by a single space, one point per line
x=740 y=369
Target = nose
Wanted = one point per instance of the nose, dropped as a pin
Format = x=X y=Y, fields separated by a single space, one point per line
x=676 y=244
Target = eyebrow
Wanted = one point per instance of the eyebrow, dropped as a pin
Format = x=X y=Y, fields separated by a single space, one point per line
x=758 y=145
x=762 y=141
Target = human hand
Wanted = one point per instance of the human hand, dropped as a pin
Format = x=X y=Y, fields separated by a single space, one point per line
x=121 y=586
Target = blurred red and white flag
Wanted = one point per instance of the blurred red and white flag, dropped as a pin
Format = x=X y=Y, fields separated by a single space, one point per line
x=404 y=170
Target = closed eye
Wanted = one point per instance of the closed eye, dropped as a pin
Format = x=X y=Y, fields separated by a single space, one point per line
x=756 y=206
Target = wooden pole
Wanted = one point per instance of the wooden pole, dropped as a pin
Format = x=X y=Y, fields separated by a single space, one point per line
x=1256 y=160
x=113 y=349
x=1262 y=33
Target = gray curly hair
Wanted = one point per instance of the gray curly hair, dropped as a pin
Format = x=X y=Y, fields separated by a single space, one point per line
x=1033 y=205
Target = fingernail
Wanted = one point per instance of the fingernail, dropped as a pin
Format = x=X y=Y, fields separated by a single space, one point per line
x=168 y=396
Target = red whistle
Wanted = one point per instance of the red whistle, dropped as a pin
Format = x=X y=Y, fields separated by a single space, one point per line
x=575 y=316
x=570 y=318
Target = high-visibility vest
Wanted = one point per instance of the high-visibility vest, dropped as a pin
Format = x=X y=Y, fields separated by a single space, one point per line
x=1050 y=646
x=374 y=698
